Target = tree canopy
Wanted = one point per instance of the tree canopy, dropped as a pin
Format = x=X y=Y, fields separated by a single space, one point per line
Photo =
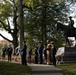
x=40 y=23
x=40 y=17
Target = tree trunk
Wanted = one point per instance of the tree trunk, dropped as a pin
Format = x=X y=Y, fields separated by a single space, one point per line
x=15 y=37
x=15 y=42
x=21 y=24
x=44 y=21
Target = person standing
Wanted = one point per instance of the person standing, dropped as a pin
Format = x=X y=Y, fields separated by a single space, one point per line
x=40 y=49
x=17 y=53
x=44 y=53
x=9 y=51
x=29 y=54
x=23 y=53
x=53 y=54
x=49 y=46
x=3 y=53
x=36 y=55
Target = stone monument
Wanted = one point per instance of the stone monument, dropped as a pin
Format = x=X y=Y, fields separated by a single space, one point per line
x=69 y=54
x=66 y=54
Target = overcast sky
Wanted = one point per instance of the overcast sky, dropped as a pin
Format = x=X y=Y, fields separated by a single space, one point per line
x=6 y=35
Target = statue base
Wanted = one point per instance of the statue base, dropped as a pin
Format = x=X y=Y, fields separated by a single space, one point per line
x=69 y=54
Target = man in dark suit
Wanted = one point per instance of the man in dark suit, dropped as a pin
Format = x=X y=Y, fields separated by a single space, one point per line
x=9 y=52
x=23 y=55
x=40 y=49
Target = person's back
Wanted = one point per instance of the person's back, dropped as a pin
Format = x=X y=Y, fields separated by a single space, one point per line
x=10 y=51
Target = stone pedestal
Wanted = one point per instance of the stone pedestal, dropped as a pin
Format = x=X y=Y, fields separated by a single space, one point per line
x=69 y=54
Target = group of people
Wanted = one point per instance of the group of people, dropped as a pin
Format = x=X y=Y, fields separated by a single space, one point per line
x=46 y=53
x=7 y=51
x=42 y=53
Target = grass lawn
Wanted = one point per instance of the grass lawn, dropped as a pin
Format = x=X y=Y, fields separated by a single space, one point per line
x=68 y=69
x=7 y=68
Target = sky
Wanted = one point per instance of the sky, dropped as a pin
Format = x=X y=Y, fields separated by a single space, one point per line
x=73 y=13
x=6 y=35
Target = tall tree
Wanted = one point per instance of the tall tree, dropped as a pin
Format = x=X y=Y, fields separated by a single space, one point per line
x=8 y=12
x=9 y=20
x=41 y=21
x=21 y=23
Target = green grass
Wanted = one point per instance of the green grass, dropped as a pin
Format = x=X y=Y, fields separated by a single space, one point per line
x=7 y=68
x=68 y=69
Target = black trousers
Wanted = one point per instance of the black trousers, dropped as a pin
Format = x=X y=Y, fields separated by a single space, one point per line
x=36 y=59
x=41 y=59
x=9 y=57
x=23 y=59
x=54 y=60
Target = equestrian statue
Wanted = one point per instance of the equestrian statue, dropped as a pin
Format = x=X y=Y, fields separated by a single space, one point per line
x=69 y=31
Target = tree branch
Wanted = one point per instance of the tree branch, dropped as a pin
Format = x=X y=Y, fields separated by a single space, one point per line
x=3 y=25
x=5 y=38
x=8 y=24
x=24 y=6
x=9 y=28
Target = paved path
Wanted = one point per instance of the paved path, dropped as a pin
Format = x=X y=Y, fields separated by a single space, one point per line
x=40 y=69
